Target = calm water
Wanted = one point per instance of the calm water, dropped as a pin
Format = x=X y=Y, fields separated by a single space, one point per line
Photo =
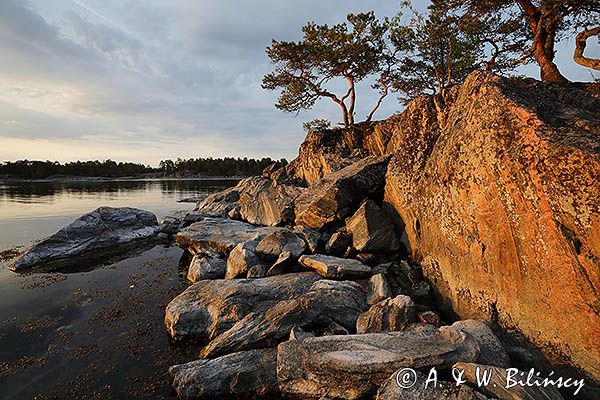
x=97 y=334
x=31 y=211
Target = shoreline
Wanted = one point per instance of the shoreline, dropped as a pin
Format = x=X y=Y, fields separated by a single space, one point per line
x=4 y=181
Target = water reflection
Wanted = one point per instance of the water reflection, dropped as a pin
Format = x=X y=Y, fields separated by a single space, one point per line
x=32 y=210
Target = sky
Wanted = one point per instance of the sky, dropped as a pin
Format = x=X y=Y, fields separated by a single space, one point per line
x=146 y=80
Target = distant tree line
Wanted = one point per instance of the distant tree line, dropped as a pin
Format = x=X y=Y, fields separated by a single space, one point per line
x=227 y=166
x=29 y=169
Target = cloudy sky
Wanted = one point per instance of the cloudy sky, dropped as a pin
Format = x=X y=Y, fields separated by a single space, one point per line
x=145 y=80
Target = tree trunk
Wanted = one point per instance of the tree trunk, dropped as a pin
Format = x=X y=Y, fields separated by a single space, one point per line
x=352 y=100
x=580 y=44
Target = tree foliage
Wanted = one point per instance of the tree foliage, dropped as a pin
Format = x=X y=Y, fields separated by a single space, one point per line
x=546 y=22
x=317 y=124
x=351 y=51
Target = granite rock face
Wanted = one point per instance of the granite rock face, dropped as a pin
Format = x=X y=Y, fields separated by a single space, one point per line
x=335 y=267
x=247 y=374
x=209 y=308
x=351 y=366
x=333 y=197
x=93 y=237
x=500 y=206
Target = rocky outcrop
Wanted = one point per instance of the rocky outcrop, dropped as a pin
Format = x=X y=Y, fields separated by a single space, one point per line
x=93 y=237
x=334 y=197
x=247 y=374
x=497 y=195
x=372 y=231
x=219 y=235
x=352 y=366
x=209 y=308
x=335 y=267
x=327 y=302
x=388 y=315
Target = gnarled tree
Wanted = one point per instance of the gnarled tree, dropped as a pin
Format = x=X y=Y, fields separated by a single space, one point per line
x=349 y=51
x=580 y=45
x=548 y=22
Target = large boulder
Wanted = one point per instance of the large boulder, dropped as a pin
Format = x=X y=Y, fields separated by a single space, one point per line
x=248 y=374
x=387 y=316
x=257 y=200
x=353 y=366
x=372 y=231
x=93 y=237
x=208 y=265
x=243 y=259
x=276 y=243
x=209 y=308
x=333 y=197
x=218 y=234
x=326 y=303
x=335 y=267
x=497 y=195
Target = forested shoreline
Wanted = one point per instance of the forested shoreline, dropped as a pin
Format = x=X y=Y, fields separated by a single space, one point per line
x=198 y=167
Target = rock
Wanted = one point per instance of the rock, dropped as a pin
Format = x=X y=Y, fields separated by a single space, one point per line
x=209 y=308
x=298 y=334
x=221 y=203
x=378 y=289
x=257 y=271
x=170 y=224
x=338 y=244
x=218 y=234
x=372 y=231
x=310 y=236
x=195 y=199
x=268 y=203
x=93 y=237
x=336 y=329
x=242 y=259
x=207 y=266
x=285 y=260
x=352 y=366
x=421 y=292
x=334 y=267
x=248 y=374
x=272 y=245
x=501 y=205
x=332 y=198
x=390 y=390
x=387 y=316
x=327 y=302
x=492 y=351
x=498 y=383
x=429 y=317
x=192 y=217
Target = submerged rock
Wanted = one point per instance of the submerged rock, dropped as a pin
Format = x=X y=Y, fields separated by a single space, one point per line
x=334 y=267
x=208 y=308
x=326 y=303
x=247 y=374
x=352 y=366
x=93 y=237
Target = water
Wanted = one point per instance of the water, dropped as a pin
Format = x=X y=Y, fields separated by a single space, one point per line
x=31 y=211
x=96 y=334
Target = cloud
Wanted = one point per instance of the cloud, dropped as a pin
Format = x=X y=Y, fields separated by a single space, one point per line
x=145 y=80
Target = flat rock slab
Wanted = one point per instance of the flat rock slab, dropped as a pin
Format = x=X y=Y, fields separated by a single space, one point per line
x=209 y=308
x=218 y=234
x=352 y=366
x=327 y=302
x=335 y=267
x=95 y=236
x=247 y=374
